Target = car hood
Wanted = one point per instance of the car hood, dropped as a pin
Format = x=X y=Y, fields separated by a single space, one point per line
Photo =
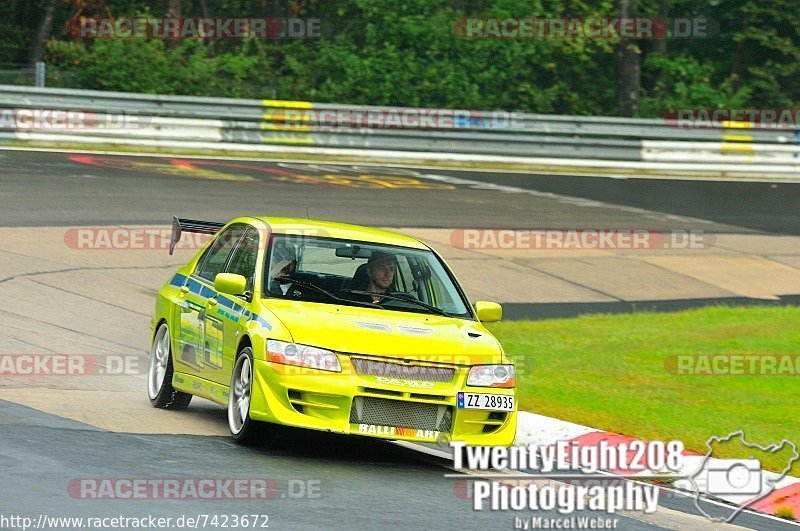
x=387 y=333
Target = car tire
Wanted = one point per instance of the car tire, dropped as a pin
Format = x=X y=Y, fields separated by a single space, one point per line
x=159 y=374
x=243 y=429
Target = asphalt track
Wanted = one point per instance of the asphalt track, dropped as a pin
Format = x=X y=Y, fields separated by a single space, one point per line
x=767 y=207
x=316 y=481
x=47 y=189
x=362 y=483
x=320 y=481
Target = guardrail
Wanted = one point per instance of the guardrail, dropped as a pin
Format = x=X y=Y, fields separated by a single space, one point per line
x=199 y=123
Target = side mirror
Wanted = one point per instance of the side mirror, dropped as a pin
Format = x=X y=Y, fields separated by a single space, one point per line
x=488 y=312
x=230 y=283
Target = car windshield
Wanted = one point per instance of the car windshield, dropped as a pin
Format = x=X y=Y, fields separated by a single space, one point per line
x=357 y=273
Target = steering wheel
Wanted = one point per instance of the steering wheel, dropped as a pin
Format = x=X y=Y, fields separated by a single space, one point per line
x=402 y=295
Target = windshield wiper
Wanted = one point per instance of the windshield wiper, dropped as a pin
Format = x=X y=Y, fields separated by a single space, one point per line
x=305 y=284
x=407 y=298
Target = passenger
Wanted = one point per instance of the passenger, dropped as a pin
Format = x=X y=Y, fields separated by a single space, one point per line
x=284 y=264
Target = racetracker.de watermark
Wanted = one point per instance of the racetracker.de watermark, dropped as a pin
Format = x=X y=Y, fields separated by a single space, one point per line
x=777 y=118
x=150 y=521
x=21 y=119
x=605 y=28
x=411 y=371
x=195 y=28
x=734 y=364
x=68 y=365
x=577 y=239
x=190 y=488
x=157 y=238
x=130 y=238
x=393 y=118
x=25 y=119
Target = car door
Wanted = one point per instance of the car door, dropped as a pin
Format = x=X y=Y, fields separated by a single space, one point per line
x=228 y=314
x=194 y=357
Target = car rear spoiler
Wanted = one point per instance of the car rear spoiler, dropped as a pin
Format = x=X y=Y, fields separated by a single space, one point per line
x=181 y=225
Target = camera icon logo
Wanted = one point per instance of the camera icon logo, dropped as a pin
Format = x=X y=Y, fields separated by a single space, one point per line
x=740 y=481
x=734 y=476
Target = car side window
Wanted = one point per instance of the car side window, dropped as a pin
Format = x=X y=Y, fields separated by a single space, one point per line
x=244 y=258
x=216 y=256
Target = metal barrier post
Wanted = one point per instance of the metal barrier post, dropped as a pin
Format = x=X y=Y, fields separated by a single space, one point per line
x=40 y=71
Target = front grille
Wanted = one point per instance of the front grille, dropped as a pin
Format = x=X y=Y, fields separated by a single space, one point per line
x=494 y=415
x=400 y=414
x=428 y=397
x=295 y=395
x=376 y=391
x=398 y=370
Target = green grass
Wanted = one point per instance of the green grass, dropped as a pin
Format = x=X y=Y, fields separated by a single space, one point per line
x=610 y=372
x=785 y=512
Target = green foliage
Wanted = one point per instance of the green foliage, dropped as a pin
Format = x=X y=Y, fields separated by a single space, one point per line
x=384 y=52
x=684 y=82
x=786 y=512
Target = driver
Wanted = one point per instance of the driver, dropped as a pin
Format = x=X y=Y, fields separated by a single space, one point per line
x=381 y=267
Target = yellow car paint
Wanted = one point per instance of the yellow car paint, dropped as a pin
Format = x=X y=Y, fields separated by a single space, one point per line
x=208 y=329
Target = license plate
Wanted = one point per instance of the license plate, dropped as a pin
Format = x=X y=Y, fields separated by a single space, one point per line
x=484 y=401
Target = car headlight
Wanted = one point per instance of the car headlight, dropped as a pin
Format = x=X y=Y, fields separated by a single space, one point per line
x=492 y=376
x=302 y=356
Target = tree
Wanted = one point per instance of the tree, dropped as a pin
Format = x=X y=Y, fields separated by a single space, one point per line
x=385 y=52
x=46 y=25
x=628 y=64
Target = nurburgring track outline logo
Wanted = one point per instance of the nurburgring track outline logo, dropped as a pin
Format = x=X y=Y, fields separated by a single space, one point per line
x=748 y=467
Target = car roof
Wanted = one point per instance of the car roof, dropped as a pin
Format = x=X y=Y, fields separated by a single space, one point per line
x=332 y=229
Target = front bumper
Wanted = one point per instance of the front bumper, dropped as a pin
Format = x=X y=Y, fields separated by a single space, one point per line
x=359 y=404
